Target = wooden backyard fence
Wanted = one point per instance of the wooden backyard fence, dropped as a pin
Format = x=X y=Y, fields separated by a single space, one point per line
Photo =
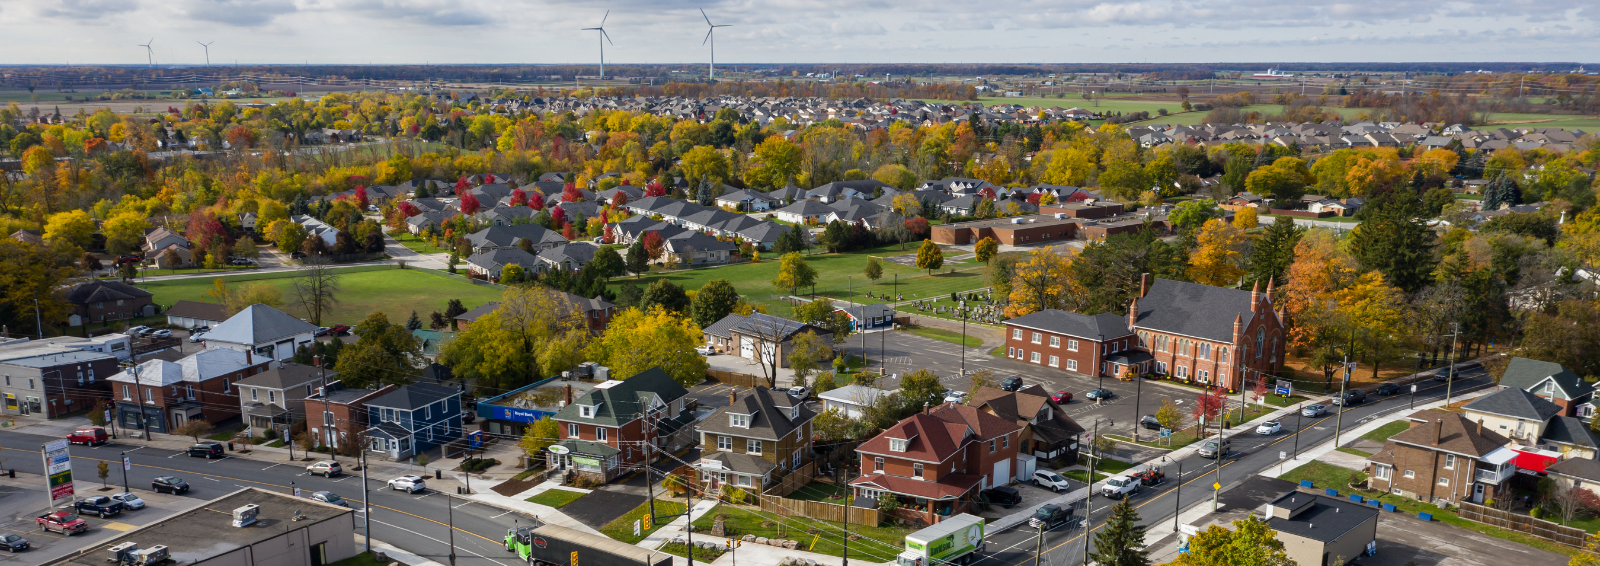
x=1523 y=524
x=819 y=510
x=732 y=378
x=795 y=480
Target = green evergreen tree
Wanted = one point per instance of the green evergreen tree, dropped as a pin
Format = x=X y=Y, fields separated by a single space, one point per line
x=1272 y=254
x=413 y=323
x=606 y=263
x=1393 y=240
x=638 y=259
x=1501 y=191
x=666 y=294
x=1120 y=541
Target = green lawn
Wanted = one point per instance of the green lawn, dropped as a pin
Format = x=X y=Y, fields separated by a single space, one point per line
x=362 y=291
x=416 y=244
x=622 y=528
x=1383 y=433
x=878 y=544
x=1082 y=476
x=226 y=433
x=945 y=335
x=189 y=271
x=1152 y=439
x=557 y=498
x=706 y=555
x=1324 y=475
x=839 y=276
x=362 y=559
x=818 y=491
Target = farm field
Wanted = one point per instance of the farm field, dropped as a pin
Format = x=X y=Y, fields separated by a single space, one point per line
x=393 y=291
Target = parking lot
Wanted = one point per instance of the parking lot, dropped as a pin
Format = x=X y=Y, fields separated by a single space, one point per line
x=21 y=502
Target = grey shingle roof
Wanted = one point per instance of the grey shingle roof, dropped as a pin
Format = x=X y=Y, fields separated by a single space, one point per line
x=259 y=324
x=625 y=401
x=1513 y=402
x=1523 y=373
x=720 y=328
x=806 y=208
x=766 y=325
x=286 y=376
x=742 y=463
x=1080 y=325
x=1578 y=468
x=1570 y=430
x=500 y=257
x=1192 y=309
x=199 y=311
x=771 y=421
x=101 y=291
x=414 y=396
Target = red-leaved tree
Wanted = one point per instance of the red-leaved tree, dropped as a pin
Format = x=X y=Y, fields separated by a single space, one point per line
x=407 y=209
x=619 y=199
x=488 y=178
x=1034 y=198
x=919 y=227
x=607 y=238
x=469 y=203
x=462 y=185
x=654 y=246
x=559 y=215
x=536 y=200
x=986 y=192
x=361 y=197
x=1260 y=388
x=1207 y=405
x=569 y=231
x=655 y=188
x=204 y=230
x=570 y=193
x=519 y=197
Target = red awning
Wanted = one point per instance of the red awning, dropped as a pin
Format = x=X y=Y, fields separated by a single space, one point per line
x=1535 y=462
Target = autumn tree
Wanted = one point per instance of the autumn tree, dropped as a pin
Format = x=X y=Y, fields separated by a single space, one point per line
x=534 y=331
x=1216 y=259
x=70 y=227
x=929 y=256
x=1038 y=282
x=385 y=353
x=714 y=301
x=638 y=340
x=1249 y=543
x=538 y=438
x=1285 y=180
x=985 y=249
x=1245 y=218
x=874 y=269
x=793 y=273
x=805 y=351
x=125 y=232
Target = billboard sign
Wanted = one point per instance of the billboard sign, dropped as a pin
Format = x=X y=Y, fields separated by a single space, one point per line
x=58 y=467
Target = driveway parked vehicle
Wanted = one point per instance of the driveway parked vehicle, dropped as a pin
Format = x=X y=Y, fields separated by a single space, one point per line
x=99 y=505
x=13 y=543
x=64 y=522
x=799 y=392
x=953 y=396
x=705 y=351
x=1050 y=480
x=161 y=334
x=408 y=484
x=129 y=501
x=1003 y=496
x=1012 y=383
x=197 y=337
x=1098 y=394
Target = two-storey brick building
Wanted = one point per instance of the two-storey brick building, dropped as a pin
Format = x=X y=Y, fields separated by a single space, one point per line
x=53 y=382
x=936 y=462
x=1444 y=457
x=168 y=394
x=1068 y=340
x=1047 y=432
x=604 y=431
x=760 y=437
x=106 y=300
x=338 y=414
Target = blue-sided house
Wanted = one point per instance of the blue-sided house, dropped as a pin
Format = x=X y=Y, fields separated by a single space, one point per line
x=413 y=419
x=869 y=317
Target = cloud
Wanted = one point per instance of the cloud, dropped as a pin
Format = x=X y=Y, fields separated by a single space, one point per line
x=85 y=9
x=425 y=12
x=241 y=13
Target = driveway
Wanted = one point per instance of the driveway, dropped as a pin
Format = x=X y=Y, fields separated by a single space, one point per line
x=601 y=507
x=1404 y=540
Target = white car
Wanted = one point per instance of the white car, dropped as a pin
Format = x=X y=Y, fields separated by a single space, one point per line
x=136 y=331
x=1051 y=481
x=953 y=396
x=1313 y=411
x=408 y=484
x=1268 y=429
x=128 y=500
x=705 y=351
x=162 y=334
x=197 y=337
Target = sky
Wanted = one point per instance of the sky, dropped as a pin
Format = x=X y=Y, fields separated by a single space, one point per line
x=797 y=31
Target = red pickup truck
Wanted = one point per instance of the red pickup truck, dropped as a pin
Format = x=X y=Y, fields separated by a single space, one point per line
x=64 y=522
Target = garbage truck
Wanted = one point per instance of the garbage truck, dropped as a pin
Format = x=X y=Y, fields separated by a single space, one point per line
x=955 y=540
x=551 y=545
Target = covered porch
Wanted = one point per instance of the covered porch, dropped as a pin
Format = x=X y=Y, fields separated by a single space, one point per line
x=921 y=502
x=260 y=417
x=391 y=440
x=582 y=458
x=1119 y=364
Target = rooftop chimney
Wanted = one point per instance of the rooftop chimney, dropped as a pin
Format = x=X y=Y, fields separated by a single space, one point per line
x=1480 y=427
x=1438 y=431
x=249 y=360
x=1144 y=284
x=731 y=397
x=569 y=394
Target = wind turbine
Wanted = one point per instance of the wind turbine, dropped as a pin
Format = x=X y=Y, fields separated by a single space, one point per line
x=712 y=70
x=208 y=51
x=151 y=53
x=605 y=39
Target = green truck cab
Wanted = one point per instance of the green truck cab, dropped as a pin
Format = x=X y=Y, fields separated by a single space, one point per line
x=520 y=540
x=955 y=540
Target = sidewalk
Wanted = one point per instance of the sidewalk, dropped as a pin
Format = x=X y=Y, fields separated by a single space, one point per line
x=519 y=502
x=1326 y=451
x=674 y=529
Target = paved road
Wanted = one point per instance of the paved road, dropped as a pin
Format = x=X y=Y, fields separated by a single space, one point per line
x=415 y=523
x=1251 y=454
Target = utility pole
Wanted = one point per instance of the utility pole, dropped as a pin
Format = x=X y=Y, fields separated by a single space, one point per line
x=327 y=417
x=1299 y=423
x=1177 y=497
x=844 y=475
x=963 y=341
x=36 y=320
x=1038 y=541
x=1450 y=378
x=1138 y=394
x=366 y=500
x=1338 y=419
x=1088 y=502
x=1217 y=489
x=649 y=484
x=450 y=510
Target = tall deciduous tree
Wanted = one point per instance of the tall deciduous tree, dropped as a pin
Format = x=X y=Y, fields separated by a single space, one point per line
x=639 y=340
x=665 y=294
x=874 y=269
x=386 y=353
x=1038 y=282
x=714 y=301
x=794 y=273
x=73 y=226
x=125 y=232
x=920 y=388
x=1250 y=543
x=534 y=331
x=1216 y=260
x=316 y=288
x=929 y=256
x=986 y=248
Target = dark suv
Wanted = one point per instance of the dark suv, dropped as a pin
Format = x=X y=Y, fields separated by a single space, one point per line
x=1003 y=496
x=207 y=450
x=1355 y=397
x=1012 y=383
x=1052 y=516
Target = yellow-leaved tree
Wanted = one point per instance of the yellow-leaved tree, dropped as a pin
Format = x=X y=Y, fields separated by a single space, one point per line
x=1245 y=218
x=639 y=340
x=1040 y=281
x=1374 y=315
x=73 y=226
x=1216 y=257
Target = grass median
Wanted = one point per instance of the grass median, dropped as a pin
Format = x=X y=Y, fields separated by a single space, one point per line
x=969 y=340
x=621 y=528
x=877 y=544
x=556 y=497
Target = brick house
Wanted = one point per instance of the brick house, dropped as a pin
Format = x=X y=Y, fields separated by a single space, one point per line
x=202 y=386
x=1068 y=340
x=604 y=430
x=1444 y=457
x=1552 y=382
x=1207 y=334
x=760 y=437
x=53 y=382
x=107 y=300
x=935 y=462
x=1047 y=432
x=1019 y=230
x=343 y=411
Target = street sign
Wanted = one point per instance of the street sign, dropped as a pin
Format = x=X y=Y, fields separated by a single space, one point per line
x=1284 y=387
x=1413 y=388
x=1216 y=486
x=1166 y=432
x=126 y=464
x=1283 y=455
x=635 y=527
x=475 y=440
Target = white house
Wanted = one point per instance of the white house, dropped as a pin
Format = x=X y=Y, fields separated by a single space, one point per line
x=264 y=330
x=851 y=399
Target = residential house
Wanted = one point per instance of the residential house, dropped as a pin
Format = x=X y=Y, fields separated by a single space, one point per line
x=1315 y=529
x=413 y=419
x=489 y=263
x=567 y=257
x=771 y=335
x=747 y=201
x=264 y=330
x=596 y=312
x=40 y=379
x=1212 y=335
x=247 y=221
x=1444 y=457
x=273 y=399
x=618 y=425
x=695 y=248
x=512 y=236
x=761 y=437
x=937 y=461
x=161 y=238
x=1047 y=432
x=191 y=314
x=165 y=395
x=839 y=190
x=851 y=400
x=34 y=237
x=1582 y=472
x=1552 y=382
x=803 y=212
x=104 y=300
x=1075 y=342
x=1513 y=413
x=343 y=410
x=869 y=317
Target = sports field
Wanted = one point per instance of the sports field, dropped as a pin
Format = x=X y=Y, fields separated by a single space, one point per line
x=362 y=290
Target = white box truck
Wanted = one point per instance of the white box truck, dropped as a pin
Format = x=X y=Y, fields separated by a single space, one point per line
x=955 y=540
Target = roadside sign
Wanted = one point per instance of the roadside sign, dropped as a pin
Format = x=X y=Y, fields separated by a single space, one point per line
x=1283 y=455
x=1413 y=388
x=475 y=440
x=126 y=464
x=1034 y=522
x=1284 y=388
x=1216 y=486
x=1166 y=432
x=635 y=527
x=58 y=468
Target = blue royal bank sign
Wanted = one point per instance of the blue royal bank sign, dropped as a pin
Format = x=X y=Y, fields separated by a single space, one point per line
x=516 y=415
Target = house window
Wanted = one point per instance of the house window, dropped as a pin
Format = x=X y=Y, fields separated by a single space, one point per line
x=1037 y=338
x=1016 y=333
x=741 y=421
x=253 y=395
x=898 y=444
x=752 y=446
x=149 y=394
x=1005 y=441
x=1444 y=481
x=991 y=446
x=308 y=390
x=572 y=430
x=1383 y=472
x=1034 y=357
x=1449 y=461
x=1261 y=336
x=1411 y=474
x=916 y=471
x=1161 y=368
x=226 y=388
x=1183 y=371
x=586 y=411
x=1055 y=341
x=1205 y=376
x=1222 y=355
x=1205 y=351
x=724 y=443
x=1072 y=365
x=1011 y=352
x=600 y=434
x=327 y=418
x=1161 y=343
x=272 y=396
x=1055 y=361
x=877 y=464
x=1072 y=345
x=125 y=396
x=744 y=480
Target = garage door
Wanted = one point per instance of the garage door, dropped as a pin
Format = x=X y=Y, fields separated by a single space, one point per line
x=1002 y=472
x=747 y=348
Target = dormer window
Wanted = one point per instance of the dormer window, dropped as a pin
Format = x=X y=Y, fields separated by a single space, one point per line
x=898 y=444
x=586 y=411
x=741 y=421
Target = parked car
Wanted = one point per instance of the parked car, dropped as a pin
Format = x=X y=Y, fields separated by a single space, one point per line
x=195 y=337
x=1355 y=397
x=340 y=330
x=207 y=450
x=298 y=255
x=409 y=484
x=13 y=543
x=129 y=259
x=129 y=501
x=1313 y=411
x=329 y=498
x=1098 y=394
x=98 y=505
x=1050 y=480
x=1062 y=397
x=94 y=436
x=136 y=330
x=325 y=468
x=1003 y=496
x=1269 y=428
x=799 y=392
x=169 y=484
x=1215 y=447
x=1150 y=422
x=321 y=331
x=1012 y=383
x=161 y=334
x=1386 y=389
x=200 y=329
x=953 y=396
x=64 y=522
x=1052 y=516
x=705 y=351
